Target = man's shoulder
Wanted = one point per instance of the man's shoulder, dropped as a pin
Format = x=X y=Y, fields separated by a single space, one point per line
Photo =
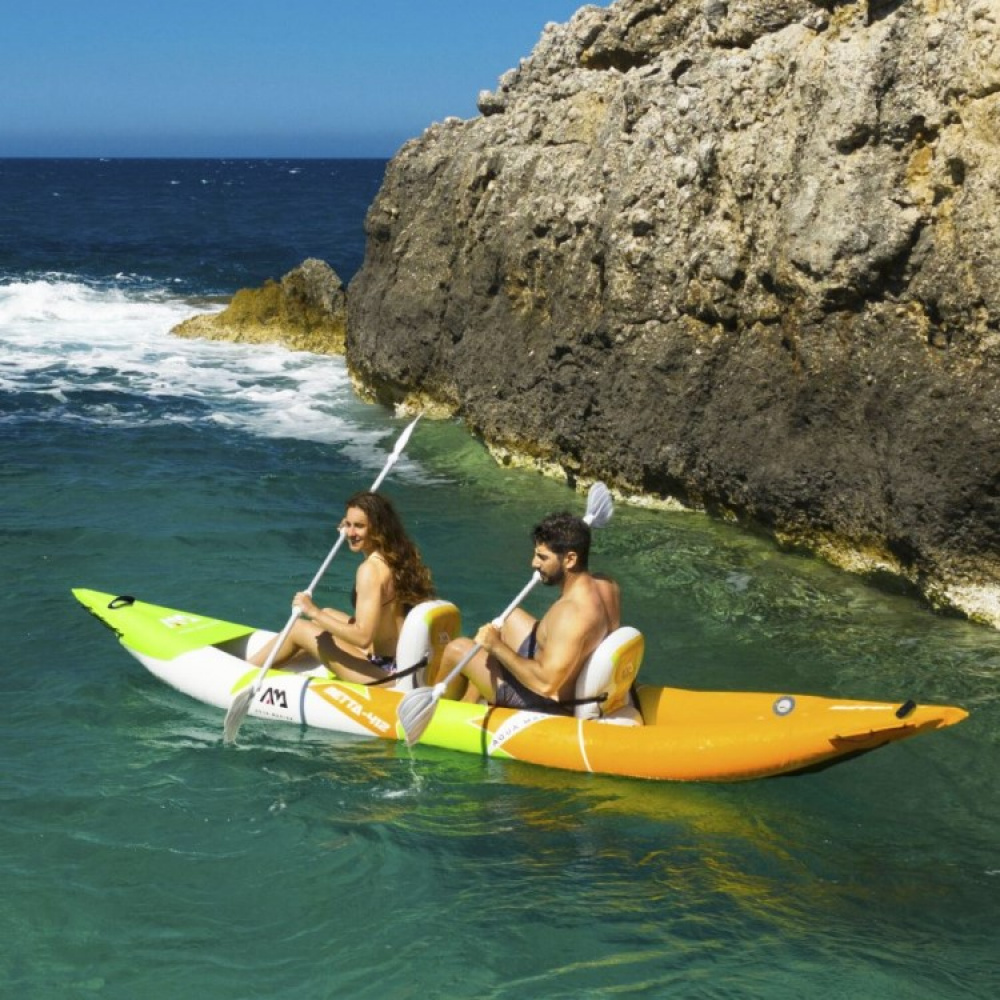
x=583 y=602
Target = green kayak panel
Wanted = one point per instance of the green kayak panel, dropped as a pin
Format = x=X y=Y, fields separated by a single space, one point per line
x=164 y=633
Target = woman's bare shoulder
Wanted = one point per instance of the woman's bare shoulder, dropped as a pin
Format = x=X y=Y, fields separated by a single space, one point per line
x=374 y=570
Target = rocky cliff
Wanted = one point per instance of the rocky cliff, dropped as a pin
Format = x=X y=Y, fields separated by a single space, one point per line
x=743 y=254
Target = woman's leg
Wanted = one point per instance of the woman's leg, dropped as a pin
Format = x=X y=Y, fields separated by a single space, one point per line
x=298 y=639
x=342 y=659
x=347 y=662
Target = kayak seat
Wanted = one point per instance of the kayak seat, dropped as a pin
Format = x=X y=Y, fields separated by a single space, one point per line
x=427 y=629
x=605 y=682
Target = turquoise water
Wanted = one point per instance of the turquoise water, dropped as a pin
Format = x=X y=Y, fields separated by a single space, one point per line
x=139 y=857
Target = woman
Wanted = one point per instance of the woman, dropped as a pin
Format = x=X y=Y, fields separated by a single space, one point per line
x=391 y=579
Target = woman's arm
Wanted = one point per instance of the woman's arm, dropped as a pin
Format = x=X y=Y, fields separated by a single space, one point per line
x=360 y=628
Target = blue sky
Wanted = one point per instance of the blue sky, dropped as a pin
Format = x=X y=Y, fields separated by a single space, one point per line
x=249 y=77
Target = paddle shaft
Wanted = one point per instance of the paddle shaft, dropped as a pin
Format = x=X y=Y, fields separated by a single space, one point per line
x=597 y=516
x=289 y=625
x=241 y=703
x=293 y=618
x=417 y=707
x=498 y=622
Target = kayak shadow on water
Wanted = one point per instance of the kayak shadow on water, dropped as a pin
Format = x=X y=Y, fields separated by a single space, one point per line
x=674 y=837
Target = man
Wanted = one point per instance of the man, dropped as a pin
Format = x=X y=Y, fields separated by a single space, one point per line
x=530 y=664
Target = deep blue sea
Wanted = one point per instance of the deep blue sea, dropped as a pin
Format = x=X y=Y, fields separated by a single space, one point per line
x=141 y=858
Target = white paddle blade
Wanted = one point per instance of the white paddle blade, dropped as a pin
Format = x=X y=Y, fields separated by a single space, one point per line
x=238 y=711
x=416 y=711
x=396 y=452
x=600 y=506
x=240 y=707
x=405 y=436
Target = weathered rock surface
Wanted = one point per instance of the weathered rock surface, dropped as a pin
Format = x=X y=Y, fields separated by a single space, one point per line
x=744 y=254
x=306 y=311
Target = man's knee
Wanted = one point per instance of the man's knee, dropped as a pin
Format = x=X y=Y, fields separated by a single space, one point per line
x=517 y=628
x=454 y=652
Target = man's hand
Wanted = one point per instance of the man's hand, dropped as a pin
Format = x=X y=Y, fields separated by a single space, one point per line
x=488 y=637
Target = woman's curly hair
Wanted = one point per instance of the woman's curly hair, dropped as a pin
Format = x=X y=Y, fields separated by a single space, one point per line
x=410 y=576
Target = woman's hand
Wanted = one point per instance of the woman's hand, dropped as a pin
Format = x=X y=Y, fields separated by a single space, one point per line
x=304 y=604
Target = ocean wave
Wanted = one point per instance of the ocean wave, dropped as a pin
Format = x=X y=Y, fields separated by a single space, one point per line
x=102 y=353
x=55 y=297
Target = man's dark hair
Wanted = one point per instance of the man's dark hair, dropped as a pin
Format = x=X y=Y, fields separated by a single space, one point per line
x=564 y=533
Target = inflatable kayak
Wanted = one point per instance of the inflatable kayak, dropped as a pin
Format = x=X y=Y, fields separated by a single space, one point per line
x=660 y=733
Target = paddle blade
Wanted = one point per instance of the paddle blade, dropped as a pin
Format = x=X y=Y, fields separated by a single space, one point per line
x=238 y=711
x=405 y=436
x=396 y=452
x=416 y=711
x=600 y=506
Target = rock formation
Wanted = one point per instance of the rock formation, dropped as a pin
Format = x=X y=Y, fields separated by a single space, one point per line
x=306 y=311
x=742 y=254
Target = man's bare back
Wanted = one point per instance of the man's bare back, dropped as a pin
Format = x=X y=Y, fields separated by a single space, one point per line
x=588 y=610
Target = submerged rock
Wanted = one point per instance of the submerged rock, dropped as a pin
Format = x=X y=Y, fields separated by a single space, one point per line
x=740 y=253
x=306 y=311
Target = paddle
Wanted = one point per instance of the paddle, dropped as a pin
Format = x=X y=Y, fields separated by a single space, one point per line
x=417 y=707
x=240 y=706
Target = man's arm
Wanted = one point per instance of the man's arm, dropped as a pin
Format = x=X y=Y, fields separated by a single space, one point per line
x=557 y=662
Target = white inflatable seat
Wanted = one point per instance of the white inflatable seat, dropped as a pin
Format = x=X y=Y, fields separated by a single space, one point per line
x=428 y=628
x=608 y=676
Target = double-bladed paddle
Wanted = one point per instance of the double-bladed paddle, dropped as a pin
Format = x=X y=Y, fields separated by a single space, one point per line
x=240 y=706
x=417 y=707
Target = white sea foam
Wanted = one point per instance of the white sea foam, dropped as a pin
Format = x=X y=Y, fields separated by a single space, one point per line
x=105 y=354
